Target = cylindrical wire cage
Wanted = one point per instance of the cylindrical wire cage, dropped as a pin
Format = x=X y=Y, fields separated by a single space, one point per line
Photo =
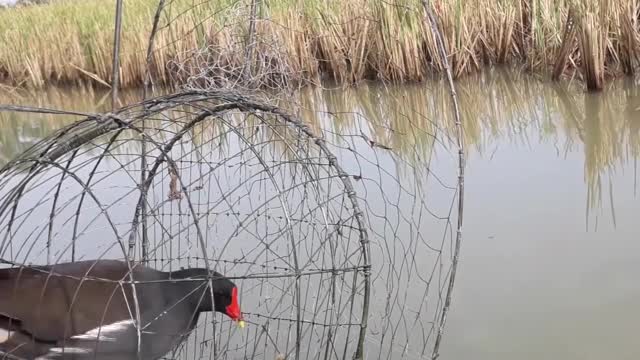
x=215 y=180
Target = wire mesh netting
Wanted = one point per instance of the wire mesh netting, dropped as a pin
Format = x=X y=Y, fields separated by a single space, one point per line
x=340 y=245
x=333 y=223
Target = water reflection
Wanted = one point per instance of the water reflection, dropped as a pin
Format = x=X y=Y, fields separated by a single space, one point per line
x=497 y=106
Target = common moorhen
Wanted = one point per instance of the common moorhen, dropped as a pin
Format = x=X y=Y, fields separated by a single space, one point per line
x=86 y=310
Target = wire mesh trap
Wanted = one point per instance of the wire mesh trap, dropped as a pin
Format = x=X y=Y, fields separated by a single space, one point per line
x=335 y=255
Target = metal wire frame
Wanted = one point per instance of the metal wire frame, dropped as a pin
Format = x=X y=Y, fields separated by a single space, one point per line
x=442 y=52
x=386 y=151
x=62 y=172
x=160 y=125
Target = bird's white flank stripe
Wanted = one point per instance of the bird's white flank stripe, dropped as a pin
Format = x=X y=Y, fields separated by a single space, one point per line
x=68 y=350
x=106 y=332
x=4 y=335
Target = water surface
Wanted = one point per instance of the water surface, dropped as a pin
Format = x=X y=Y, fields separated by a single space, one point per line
x=550 y=238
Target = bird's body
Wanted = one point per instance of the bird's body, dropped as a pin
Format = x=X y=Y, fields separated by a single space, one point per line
x=87 y=310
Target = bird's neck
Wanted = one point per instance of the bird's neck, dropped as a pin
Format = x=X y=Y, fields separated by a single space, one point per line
x=197 y=292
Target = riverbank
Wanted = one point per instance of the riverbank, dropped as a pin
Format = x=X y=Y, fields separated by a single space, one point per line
x=301 y=41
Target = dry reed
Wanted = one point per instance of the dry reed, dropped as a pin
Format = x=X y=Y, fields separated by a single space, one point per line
x=300 y=41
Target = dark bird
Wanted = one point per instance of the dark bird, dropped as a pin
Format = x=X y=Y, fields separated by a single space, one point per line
x=86 y=310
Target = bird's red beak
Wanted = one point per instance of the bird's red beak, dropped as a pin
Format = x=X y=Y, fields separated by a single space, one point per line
x=233 y=309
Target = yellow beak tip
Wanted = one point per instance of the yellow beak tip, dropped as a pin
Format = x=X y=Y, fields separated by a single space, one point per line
x=241 y=324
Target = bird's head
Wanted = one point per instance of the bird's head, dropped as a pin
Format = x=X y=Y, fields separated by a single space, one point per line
x=225 y=293
x=225 y=298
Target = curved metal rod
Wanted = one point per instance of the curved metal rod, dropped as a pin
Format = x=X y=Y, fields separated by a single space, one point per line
x=364 y=239
x=82 y=197
x=285 y=209
x=152 y=172
x=111 y=122
x=461 y=164
x=113 y=227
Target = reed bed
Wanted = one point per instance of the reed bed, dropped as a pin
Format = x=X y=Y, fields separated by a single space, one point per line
x=203 y=43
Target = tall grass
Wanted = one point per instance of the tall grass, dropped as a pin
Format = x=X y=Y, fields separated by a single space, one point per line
x=70 y=41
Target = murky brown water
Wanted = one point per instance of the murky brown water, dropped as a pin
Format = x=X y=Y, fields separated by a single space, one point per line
x=551 y=233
